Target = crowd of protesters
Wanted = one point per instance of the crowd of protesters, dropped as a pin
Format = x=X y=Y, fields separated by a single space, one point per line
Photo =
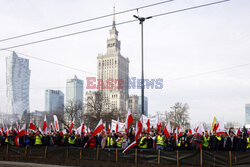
x=152 y=140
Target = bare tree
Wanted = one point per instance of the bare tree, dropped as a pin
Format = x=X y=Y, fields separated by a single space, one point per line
x=179 y=114
x=72 y=111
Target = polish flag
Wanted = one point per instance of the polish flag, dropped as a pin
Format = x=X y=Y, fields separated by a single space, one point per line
x=20 y=134
x=129 y=120
x=56 y=123
x=220 y=129
x=148 y=125
x=3 y=127
x=167 y=129
x=176 y=137
x=51 y=127
x=32 y=125
x=71 y=127
x=104 y=128
x=117 y=126
x=17 y=127
x=83 y=127
x=130 y=146
x=137 y=133
x=45 y=124
x=109 y=129
x=200 y=129
x=159 y=127
x=98 y=128
x=191 y=130
x=138 y=130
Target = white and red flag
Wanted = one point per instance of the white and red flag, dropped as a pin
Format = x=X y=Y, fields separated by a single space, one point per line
x=51 y=127
x=129 y=120
x=191 y=130
x=21 y=133
x=3 y=127
x=167 y=129
x=32 y=126
x=137 y=133
x=45 y=125
x=98 y=128
x=104 y=128
x=109 y=129
x=17 y=127
x=56 y=123
x=117 y=126
x=82 y=128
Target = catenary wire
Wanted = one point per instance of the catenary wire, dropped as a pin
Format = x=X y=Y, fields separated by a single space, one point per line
x=121 y=23
x=83 y=21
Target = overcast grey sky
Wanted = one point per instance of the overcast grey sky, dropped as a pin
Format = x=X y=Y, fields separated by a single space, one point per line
x=176 y=46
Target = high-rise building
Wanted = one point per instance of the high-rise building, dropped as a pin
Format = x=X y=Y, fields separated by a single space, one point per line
x=54 y=100
x=115 y=67
x=18 y=83
x=145 y=105
x=74 y=91
x=247 y=114
x=133 y=104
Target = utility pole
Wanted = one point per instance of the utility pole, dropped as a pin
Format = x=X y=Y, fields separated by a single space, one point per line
x=141 y=20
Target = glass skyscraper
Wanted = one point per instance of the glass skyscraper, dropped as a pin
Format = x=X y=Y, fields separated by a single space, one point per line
x=54 y=100
x=17 y=83
x=74 y=91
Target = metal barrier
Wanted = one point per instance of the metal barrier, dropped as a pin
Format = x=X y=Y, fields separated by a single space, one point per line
x=133 y=156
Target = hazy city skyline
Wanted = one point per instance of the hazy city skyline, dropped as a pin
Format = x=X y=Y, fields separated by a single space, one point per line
x=176 y=46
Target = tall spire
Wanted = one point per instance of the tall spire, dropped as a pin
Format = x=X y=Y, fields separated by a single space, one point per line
x=114 y=16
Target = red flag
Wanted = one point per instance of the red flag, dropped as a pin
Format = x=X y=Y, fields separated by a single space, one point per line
x=109 y=129
x=167 y=130
x=129 y=120
x=21 y=133
x=159 y=127
x=71 y=127
x=32 y=126
x=138 y=130
x=148 y=125
x=83 y=128
x=51 y=127
x=98 y=128
x=45 y=124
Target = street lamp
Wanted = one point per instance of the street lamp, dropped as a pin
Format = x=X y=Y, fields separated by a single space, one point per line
x=142 y=19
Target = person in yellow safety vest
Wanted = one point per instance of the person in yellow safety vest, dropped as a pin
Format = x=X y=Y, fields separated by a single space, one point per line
x=182 y=141
x=110 y=141
x=38 y=139
x=143 y=141
x=72 y=139
x=160 y=144
x=119 y=141
x=248 y=144
x=205 y=141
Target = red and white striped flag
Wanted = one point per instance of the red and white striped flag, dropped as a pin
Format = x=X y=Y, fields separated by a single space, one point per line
x=129 y=120
x=117 y=126
x=109 y=129
x=20 y=134
x=56 y=123
x=98 y=128
x=45 y=125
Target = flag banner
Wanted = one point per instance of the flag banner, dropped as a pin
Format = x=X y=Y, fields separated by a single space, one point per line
x=121 y=126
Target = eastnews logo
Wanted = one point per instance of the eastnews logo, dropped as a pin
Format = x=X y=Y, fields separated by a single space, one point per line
x=129 y=83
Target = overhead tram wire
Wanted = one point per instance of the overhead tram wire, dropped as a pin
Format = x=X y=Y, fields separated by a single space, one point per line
x=54 y=63
x=84 y=21
x=121 y=23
